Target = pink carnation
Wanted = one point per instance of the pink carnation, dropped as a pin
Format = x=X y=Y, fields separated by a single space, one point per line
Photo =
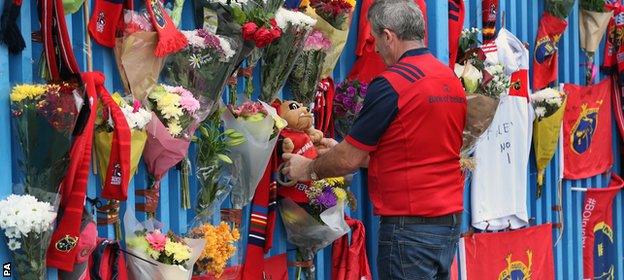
x=157 y=240
x=248 y=109
x=187 y=100
x=316 y=41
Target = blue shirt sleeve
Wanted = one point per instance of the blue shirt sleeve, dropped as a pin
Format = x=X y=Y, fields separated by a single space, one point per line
x=379 y=110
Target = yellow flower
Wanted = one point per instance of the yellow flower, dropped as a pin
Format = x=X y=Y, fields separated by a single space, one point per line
x=21 y=92
x=174 y=128
x=180 y=252
x=335 y=182
x=352 y=2
x=171 y=112
x=219 y=247
x=340 y=193
x=153 y=253
x=138 y=243
x=118 y=99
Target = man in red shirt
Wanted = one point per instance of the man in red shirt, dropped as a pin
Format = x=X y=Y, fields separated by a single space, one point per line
x=410 y=128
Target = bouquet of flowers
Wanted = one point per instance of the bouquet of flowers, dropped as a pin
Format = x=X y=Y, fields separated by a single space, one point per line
x=213 y=148
x=169 y=134
x=483 y=86
x=280 y=57
x=348 y=102
x=549 y=106
x=313 y=226
x=43 y=114
x=27 y=224
x=154 y=255
x=559 y=8
x=138 y=67
x=221 y=241
x=137 y=118
x=333 y=20
x=260 y=126
x=593 y=21
x=259 y=29
x=306 y=74
x=203 y=67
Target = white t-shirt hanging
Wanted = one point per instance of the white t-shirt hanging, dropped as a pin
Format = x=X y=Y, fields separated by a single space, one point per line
x=499 y=182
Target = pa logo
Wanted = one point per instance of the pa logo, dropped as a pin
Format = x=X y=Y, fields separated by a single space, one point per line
x=6 y=270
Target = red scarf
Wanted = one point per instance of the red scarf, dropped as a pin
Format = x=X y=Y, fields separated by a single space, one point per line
x=170 y=39
x=489 y=14
x=55 y=35
x=61 y=251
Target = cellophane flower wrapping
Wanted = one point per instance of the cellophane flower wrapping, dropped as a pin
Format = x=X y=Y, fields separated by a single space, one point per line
x=280 y=57
x=175 y=118
x=155 y=254
x=310 y=232
x=139 y=68
x=43 y=114
x=27 y=225
x=203 y=67
x=306 y=74
x=549 y=106
x=137 y=117
x=333 y=20
x=260 y=127
x=348 y=102
x=221 y=256
x=214 y=164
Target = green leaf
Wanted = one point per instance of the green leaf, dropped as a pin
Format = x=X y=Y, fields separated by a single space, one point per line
x=225 y=158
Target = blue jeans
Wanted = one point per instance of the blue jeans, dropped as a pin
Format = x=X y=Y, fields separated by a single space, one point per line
x=416 y=251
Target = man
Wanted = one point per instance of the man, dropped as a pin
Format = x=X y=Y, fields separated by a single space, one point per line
x=411 y=130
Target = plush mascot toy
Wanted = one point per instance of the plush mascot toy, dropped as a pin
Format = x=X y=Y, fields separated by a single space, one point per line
x=299 y=137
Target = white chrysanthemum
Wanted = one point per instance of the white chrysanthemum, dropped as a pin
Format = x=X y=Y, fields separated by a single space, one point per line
x=540 y=112
x=545 y=94
x=233 y=3
x=228 y=52
x=283 y=17
x=193 y=39
x=23 y=214
x=14 y=244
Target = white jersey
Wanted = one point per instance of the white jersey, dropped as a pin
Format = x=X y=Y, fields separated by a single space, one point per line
x=499 y=182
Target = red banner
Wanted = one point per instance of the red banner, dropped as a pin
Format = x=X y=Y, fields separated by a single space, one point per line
x=545 y=60
x=587 y=130
x=519 y=254
x=599 y=252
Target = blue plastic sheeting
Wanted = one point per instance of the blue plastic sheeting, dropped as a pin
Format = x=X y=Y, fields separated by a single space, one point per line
x=519 y=16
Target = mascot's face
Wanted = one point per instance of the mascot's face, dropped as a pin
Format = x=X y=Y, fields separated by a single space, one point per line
x=297 y=116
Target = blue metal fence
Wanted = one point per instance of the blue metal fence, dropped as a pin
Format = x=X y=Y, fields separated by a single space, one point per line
x=519 y=16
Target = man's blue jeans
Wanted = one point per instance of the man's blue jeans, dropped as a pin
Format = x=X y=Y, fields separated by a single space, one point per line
x=416 y=251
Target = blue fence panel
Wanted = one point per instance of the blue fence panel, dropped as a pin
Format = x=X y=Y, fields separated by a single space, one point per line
x=520 y=16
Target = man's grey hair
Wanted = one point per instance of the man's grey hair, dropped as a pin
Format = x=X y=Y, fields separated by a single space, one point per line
x=403 y=17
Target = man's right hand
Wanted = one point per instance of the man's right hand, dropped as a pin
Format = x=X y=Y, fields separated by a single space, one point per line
x=325 y=145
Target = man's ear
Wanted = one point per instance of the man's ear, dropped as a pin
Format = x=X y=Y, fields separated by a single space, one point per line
x=387 y=34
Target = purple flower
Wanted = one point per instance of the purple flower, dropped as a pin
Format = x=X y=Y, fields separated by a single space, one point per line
x=327 y=198
x=363 y=90
x=351 y=91
x=348 y=102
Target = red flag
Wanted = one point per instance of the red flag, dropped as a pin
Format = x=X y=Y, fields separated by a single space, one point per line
x=508 y=255
x=597 y=230
x=369 y=64
x=587 y=130
x=545 y=59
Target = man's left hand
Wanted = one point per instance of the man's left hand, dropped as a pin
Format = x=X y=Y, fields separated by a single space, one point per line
x=297 y=167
